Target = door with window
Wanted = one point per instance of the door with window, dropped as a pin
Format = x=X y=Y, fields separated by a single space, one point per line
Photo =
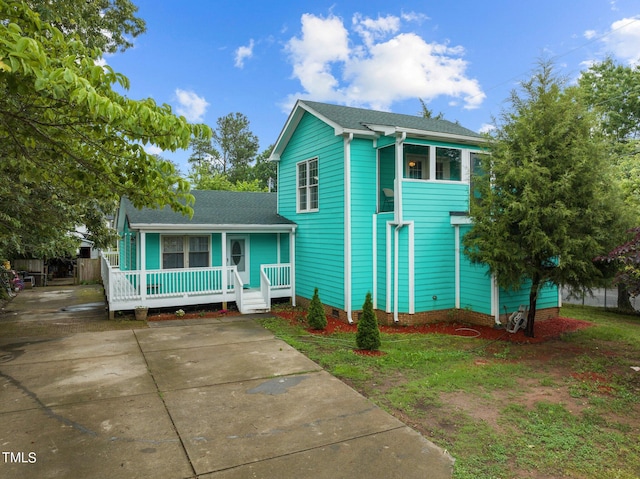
x=238 y=256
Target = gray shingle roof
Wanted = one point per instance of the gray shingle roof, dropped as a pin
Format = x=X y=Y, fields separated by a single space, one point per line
x=356 y=119
x=215 y=208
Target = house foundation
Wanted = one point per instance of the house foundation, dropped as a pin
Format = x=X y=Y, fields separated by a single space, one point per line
x=428 y=317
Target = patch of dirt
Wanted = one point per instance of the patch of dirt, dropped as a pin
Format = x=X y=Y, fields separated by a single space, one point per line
x=168 y=316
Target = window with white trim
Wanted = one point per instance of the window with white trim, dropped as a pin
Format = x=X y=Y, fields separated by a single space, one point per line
x=307 y=197
x=185 y=252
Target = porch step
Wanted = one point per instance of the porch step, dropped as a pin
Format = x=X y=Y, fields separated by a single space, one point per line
x=252 y=302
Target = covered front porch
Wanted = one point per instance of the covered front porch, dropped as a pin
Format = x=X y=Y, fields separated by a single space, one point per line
x=129 y=289
x=235 y=248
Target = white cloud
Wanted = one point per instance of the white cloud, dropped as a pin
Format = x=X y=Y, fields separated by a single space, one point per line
x=623 y=39
x=589 y=34
x=388 y=65
x=371 y=30
x=244 y=52
x=190 y=105
x=153 y=149
x=323 y=43
x=487 y=127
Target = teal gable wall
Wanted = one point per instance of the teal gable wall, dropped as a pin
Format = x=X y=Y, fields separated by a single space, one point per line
x=363 y=207
x=320 y=234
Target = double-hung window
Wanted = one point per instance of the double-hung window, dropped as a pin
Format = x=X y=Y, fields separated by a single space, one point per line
x=185 y=252
x=308 y=185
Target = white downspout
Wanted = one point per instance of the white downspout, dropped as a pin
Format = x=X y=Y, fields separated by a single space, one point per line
x=143 y=265
x=457 y=264
x=395 y=272
x=397 y=203
x=347 y=226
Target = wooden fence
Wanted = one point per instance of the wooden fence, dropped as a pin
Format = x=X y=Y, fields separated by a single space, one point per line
x=88 y=270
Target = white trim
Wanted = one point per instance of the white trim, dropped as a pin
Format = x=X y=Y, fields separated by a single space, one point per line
x=278 y=248
x=374 y=247
x=412 y=278
x=495 y=299
x=396 y=270
x=185 y=249
x=246 y=274
x=397 y=201
x=457 y=263
x=292 y=261
x=307 y=186
x=456 y=220
x=223 y=263
x=143 y=263
x=388 y=267
x=213 y=228
x=347 y=226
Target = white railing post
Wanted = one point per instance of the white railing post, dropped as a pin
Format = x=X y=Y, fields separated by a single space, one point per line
x=265 y=288
x=238 y=285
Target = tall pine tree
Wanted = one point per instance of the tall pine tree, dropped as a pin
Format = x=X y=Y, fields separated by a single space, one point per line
x=547 y=205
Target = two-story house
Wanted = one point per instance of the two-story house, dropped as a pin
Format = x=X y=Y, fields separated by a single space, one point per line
x=367 y=201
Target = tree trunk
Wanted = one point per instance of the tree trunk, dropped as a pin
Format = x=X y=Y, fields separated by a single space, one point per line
x=533 y=300
x=624 y=302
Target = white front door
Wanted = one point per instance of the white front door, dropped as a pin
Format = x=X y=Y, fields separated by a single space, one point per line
x=238 y=255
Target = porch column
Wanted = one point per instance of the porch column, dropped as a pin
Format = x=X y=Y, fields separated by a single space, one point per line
x=225 y=273
x=143 y=265
x=456 y=232
x=292 y=261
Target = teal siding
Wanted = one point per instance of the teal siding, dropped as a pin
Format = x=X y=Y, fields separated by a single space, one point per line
x=429 y=204
x=381 y=278
x=216 y=250
x=284 y=248
x=153 y=256
x=363 y=207
x=320 y=234
x=475 y=282
x=512 y=300
x=262 y=250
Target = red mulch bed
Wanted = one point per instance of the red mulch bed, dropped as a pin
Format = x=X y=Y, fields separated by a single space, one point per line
x=543 y=330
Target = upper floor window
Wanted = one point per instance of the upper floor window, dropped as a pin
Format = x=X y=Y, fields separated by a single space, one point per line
x=448 y=164
x=308 y=185
x=416 y=162
x=185 y=252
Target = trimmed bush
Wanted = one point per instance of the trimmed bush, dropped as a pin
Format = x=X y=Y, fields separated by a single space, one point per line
x=368 y=336
x=315 y=315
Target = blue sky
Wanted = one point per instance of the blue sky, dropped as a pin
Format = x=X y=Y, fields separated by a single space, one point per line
x=210 y=58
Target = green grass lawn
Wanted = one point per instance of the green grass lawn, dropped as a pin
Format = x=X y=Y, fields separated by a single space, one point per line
x=564 y=408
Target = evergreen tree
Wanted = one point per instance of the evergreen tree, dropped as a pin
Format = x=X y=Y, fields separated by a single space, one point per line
x=316 y=316
x=547 y=208
x=368 y=336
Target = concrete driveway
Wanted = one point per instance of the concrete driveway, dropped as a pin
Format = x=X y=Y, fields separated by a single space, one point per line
x=205 y=398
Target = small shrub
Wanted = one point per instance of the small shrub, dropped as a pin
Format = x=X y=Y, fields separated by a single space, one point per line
x=180 y=313
x=315 y=316
x=368 y=335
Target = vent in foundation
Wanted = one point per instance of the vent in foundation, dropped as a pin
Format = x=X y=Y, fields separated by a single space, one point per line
x=335 y=313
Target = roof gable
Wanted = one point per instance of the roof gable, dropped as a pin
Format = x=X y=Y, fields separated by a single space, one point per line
x=212 y=208
x=360 y=121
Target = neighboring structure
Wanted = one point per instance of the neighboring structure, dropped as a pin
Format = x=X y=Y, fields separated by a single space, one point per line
x=234 y=249
x=381 y=202
x=367 y=201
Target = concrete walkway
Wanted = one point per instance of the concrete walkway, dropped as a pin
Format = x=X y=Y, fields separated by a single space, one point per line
x=205 y=398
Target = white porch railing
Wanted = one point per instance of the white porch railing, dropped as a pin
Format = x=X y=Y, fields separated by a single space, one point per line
x=265 y=287
x=182 y=287
x=113 y=257
x=279 y=275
